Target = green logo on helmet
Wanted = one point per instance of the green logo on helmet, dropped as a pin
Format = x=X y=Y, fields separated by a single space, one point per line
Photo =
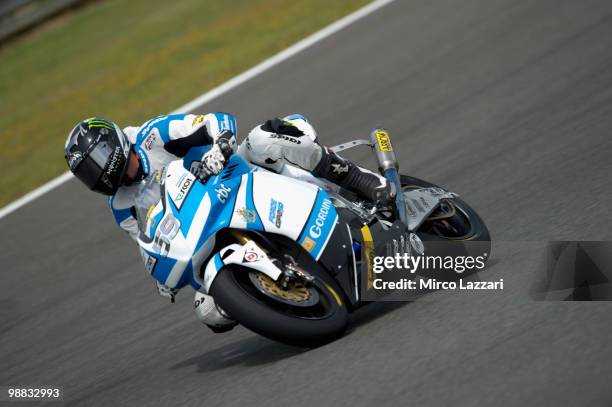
x=100 y=123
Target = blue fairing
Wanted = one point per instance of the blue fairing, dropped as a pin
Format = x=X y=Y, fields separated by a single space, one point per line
x=222 y=192
x=218 y=218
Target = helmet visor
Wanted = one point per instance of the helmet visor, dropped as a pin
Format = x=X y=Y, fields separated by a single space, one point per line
x=101 y=153
x=102 y=169
x=89 y=172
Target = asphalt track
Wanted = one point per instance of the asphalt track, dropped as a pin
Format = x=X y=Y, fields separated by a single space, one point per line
x=506 y=102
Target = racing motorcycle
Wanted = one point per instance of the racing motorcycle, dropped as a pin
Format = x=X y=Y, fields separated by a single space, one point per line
x=288 y=255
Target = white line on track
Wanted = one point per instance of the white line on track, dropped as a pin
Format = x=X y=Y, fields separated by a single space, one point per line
x=221 y=89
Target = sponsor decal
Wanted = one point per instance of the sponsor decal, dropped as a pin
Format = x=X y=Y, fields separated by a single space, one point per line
x=287 y=138
x=384 y=142
x=197 y=120
x=114 y=163
x=74 y=158
x=223 y=193
x=99 y=123
x=180 y=180
x=148 y=142
x=183 y=191
x=149 y=261
x=158 y=176
x=144 y=160
x=320 y=225
x=250 y=256
x=436 y=191
x=276 y=212
x=150 y=264
x=246 y=214
x=315 y=230
x=308 y=244
x=152 y=123
x=339 y=168
x=368 y=252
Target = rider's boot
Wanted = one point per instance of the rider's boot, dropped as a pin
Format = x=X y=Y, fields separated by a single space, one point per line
x=347 y=175
x=211 y=315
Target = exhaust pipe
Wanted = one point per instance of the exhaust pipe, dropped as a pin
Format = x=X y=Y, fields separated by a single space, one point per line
x=389 y=167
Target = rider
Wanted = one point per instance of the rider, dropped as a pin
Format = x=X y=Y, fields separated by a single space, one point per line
x=113 y=161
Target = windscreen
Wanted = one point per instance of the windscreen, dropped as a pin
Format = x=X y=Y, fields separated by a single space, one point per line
x=147 y=198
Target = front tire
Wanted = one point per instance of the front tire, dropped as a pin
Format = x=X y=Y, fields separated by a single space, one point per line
x=314 y=325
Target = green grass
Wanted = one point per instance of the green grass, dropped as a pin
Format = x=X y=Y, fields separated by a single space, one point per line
x=130 y=60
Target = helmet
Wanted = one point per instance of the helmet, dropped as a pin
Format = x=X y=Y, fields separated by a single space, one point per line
x=97 y=153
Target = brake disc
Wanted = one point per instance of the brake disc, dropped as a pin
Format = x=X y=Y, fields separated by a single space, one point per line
x=298 y=295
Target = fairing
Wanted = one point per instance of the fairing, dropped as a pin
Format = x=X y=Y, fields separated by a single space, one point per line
x=178 y=232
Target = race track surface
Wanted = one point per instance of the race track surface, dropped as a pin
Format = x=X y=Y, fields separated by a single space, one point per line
x=505 y=102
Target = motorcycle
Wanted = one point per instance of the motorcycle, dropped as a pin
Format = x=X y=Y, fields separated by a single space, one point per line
x=288 y=255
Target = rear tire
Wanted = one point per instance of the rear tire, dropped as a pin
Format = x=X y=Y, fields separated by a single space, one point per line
x=477 y=229
x=475 y=233
x=276 y=320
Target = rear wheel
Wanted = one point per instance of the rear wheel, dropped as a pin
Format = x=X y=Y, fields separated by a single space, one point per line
x=305 y=315
x=453 y=220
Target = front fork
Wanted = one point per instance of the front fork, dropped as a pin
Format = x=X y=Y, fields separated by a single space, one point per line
x=247 y=253
x=388 y=166
x=292 y=272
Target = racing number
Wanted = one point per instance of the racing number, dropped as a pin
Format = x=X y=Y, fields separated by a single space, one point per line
x=166 y=231
x=161 y=245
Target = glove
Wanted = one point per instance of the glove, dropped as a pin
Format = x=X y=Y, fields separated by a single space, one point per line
x=212 y=163
x=213 y=160
x=166 y=291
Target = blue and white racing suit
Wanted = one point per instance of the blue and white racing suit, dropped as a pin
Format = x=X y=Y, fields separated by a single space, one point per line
x=162 y=140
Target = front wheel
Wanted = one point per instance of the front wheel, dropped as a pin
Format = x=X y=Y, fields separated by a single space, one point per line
x=306 y=316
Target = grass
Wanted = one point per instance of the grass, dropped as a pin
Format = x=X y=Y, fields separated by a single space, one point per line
x=130 y=60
